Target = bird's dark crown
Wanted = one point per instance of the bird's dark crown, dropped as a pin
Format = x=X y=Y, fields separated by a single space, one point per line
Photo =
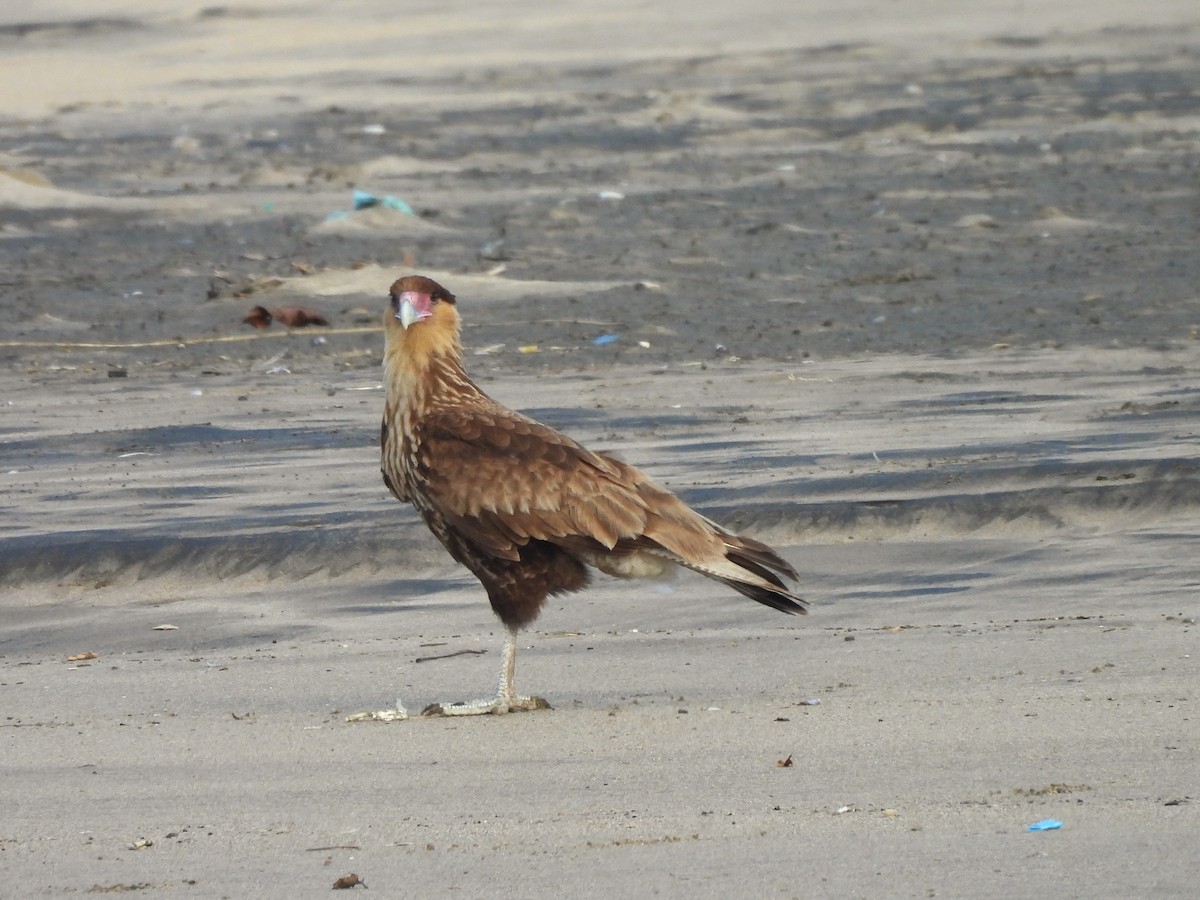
x=421 y=285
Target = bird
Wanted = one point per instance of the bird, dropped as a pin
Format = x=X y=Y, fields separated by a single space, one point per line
x=528 y=510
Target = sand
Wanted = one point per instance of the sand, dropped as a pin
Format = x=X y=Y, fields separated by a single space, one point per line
x=907 y=292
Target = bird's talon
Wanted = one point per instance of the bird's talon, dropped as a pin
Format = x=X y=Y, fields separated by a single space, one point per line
x=484 y=708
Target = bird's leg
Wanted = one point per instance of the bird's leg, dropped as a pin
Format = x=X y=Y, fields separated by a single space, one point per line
x=506 y=699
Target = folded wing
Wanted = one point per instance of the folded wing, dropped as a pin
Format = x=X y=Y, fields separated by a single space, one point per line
x=502 y=480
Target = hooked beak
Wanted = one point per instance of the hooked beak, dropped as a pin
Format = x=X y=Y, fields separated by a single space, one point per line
x=413 y=307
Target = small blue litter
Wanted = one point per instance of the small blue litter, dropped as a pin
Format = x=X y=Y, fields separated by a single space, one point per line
x=1046 y=825
x=365 y=200
x=396 y=203
x=606 y=339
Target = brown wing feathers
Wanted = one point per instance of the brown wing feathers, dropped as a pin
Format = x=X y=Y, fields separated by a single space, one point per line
x=505 y=480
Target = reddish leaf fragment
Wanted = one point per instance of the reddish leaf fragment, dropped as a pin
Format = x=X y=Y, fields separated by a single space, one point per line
x=784 y=763
x=259 y=317
x=348 y=881
x=291 y=316
x=298 y=316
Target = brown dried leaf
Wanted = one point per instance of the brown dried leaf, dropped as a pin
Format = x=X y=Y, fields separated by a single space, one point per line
x=79 y=657
x=784 y=763
x=298 y=316
x=259 y=317
x=348 y=881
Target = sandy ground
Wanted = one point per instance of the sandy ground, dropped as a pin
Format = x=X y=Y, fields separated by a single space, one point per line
x=908 y=291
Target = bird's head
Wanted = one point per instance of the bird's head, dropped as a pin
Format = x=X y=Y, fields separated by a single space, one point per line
x=421 y=318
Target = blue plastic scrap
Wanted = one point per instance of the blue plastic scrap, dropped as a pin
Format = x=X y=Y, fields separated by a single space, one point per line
x=365 y=200
x=396 y=203
x=1046 y=825
x=606 y=339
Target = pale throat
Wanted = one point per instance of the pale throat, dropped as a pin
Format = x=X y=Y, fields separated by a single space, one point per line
x=420 y=380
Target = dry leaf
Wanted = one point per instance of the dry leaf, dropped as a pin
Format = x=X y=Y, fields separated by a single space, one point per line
x=298 y=316
x=784 y=763
x=348 y=881
x=79 y=657
x=259 y=317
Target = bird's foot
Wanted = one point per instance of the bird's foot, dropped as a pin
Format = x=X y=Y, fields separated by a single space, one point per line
x=497 y=705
